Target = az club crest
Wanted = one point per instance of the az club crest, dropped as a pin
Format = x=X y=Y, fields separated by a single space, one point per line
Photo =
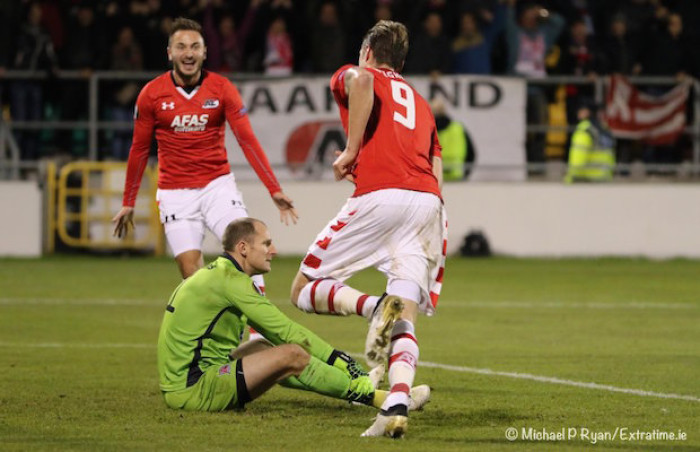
x=210 y=103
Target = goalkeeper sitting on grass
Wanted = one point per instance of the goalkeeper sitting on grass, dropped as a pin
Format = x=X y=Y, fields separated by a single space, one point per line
x=199 y=364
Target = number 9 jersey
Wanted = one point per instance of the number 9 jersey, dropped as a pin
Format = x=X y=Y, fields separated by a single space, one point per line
x=400 y=138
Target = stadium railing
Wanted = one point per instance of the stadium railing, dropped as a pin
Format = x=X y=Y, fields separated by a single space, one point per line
x=12 y=167
x=83 y=196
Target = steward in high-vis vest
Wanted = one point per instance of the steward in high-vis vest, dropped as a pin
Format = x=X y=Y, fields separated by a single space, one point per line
x=457 y=148
x=454 y=150
x=592 y=151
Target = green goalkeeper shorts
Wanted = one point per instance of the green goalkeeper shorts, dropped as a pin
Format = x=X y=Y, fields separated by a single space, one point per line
x=219 y=388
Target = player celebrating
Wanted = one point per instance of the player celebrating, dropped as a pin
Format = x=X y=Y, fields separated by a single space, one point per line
x=395 y=220
x=187 y=108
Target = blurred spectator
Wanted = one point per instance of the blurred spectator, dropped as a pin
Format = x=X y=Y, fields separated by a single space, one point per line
x=430 y=50
x=279 y=55
x=226 y=44
x=383 y=11
x=619 y=49
x=52 y=21
x=471 y=49
x=639 y=14
x=35 y=53
x=579 y=56
x=126 y=56
x=84 y=52
x=530 y=38
x=668 y=52
x=328 y=43
x=528 y=41
x=156 y=41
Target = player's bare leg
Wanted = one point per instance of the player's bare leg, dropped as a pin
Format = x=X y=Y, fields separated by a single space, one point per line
x=392 y=420
x=189 y=262
x=330 y=296
x=265 y=368
x=250 y=347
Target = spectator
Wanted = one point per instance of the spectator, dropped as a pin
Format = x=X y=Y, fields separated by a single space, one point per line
x=157 y=40
x=226 y=44
x=279 y=54
x=430 y=52
x=668 y=52
x=328 y=40
x=126 y=56
x=639 y=14
x=471 y=49
x=84 y=52
x=34 y=53
x=619 y=49
x=529 y=40
x=578 y=57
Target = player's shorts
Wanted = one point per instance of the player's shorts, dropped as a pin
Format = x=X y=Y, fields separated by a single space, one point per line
x=219 y=388
x=402 y=233
x=185 y=212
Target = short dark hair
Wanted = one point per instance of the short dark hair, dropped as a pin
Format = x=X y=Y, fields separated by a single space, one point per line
x=183 y=23
x=237 y=230
x=389 y=43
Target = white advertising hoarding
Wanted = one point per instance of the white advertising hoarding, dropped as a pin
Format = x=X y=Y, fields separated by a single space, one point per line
x=298 y=125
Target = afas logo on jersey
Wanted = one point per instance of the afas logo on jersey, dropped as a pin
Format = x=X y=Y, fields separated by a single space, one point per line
x=189 y=123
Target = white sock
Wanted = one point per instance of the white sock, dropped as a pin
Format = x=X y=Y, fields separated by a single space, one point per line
x=403 y=358
x=330 y=296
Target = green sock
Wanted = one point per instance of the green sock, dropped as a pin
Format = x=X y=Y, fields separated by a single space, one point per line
x=321 y=378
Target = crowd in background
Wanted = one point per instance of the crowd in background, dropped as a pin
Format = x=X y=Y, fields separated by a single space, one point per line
x=282 y=37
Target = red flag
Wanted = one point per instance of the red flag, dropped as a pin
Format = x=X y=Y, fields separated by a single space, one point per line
x=636 y=115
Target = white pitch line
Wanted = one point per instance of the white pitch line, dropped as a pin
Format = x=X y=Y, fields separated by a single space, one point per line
x=79 y=301
x=562 y=305
x=558 y=381
x=464 y=369
x=74 y=345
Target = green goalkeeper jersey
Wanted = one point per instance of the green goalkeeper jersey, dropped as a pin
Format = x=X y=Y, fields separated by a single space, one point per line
x=205 y=319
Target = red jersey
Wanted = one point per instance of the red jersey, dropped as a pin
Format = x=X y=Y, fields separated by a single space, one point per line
x=400 y=139
x=189 y=129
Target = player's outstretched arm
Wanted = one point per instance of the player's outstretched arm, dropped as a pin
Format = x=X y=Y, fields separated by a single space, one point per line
x=124 y=220
x=359 y=86
x=286 y=206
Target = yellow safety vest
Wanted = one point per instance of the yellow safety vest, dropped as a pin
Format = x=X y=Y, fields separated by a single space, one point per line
x=591 y=155
x=454 y=151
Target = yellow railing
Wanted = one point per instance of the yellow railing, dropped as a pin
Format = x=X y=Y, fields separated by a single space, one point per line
x=97 y=188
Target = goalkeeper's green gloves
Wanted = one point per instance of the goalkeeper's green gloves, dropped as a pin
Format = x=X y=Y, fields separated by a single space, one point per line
x=361 y=388
x=344 y=362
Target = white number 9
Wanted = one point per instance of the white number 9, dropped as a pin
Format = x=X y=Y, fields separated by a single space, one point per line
x=403 y=95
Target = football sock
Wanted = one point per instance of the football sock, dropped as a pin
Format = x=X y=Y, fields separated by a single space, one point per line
x=330 y=296
x=403 y=357
x=321 y=378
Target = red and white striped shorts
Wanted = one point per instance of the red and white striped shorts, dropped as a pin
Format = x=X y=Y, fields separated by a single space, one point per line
x=402 y=233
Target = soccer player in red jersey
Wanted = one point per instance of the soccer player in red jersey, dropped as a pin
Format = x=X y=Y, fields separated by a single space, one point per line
x=187 y=108
x=395 y=221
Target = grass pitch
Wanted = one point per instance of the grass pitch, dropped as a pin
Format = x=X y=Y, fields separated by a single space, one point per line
x=515 y=343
